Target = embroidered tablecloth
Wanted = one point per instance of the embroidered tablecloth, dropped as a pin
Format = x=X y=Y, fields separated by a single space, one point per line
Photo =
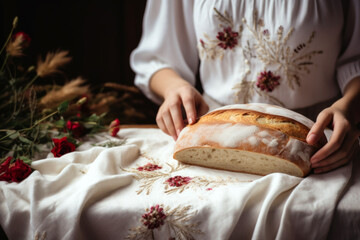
x=130 y=187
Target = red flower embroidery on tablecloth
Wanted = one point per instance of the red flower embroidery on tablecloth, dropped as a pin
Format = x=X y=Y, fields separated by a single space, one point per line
x=227 y=38
x=149 y=167
x=178 y=181
x=15 y=172
x=267 y=81
x=62 y=146
x=154 y=218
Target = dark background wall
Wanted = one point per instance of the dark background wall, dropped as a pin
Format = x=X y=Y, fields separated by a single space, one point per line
x=100 y=34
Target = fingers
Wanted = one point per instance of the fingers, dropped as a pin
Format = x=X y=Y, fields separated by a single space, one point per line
x=342 y=144
x=169 y=123
x=341 y=129
x=317 y=130
x=176 y=115
x=344 y=153
x=195 y=109
x=161 y=124
x=169 y=117
x=189 y=106
x=166 y=123
x=338 y=159
x=332 y=166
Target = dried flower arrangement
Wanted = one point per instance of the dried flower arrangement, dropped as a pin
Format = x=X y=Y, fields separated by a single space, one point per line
x=57 y=116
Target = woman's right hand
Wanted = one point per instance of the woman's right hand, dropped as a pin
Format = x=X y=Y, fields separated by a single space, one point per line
x=183 y=97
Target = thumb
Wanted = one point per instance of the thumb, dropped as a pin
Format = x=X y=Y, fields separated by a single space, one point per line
x=317 y=130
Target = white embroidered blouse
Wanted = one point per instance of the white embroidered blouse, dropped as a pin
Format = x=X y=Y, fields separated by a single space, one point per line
x=292 y=53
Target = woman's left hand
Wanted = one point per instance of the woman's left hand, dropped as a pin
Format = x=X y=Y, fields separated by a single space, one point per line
x=343 y=143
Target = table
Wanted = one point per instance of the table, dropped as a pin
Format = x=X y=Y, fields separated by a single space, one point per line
x=135 y=190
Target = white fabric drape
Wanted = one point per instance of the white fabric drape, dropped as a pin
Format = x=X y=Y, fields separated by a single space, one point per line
x=99 y=193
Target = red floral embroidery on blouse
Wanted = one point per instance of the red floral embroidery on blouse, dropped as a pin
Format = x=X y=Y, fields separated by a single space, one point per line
x=149 y=167
x=267 y=81
x=154 y=218
x=178 y=181
x=227 y=38
x=266 y=32
x=202 y=43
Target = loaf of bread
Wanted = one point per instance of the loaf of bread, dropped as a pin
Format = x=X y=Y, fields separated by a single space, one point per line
x=252 y=138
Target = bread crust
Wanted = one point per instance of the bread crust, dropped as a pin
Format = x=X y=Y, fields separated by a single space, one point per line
x=248 y=132
x=286 y=125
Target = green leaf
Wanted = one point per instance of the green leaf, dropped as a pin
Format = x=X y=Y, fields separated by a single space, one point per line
x=93 y=118
x=6 y=142
x=73 y=141
x=25 y=140
x=89 y=125
x=12 y=134
x=97 y=128
x=63 y=107
x=26 y=160
x=12 y=81
x=60 y=123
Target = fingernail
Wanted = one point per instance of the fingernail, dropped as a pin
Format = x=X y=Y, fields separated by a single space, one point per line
x=314 y=160
x=312 y=138
x=178 y=132
x=174 y=137
x=191 y=120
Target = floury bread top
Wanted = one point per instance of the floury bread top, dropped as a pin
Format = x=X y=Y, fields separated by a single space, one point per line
x=262 y=115
x=272 y=110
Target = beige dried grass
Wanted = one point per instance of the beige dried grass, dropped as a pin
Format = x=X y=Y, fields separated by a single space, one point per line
x=69 y=91
x=103 y=105
x=53 y=61
x=15 y=48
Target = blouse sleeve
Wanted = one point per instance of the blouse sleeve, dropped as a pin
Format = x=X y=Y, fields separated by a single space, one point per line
x=168 y=41
x=348 y=65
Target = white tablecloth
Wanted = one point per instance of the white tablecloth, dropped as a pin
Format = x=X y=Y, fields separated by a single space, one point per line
x=101 y=193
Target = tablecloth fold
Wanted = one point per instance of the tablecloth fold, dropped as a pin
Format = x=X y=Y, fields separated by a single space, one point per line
x=136 y=190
